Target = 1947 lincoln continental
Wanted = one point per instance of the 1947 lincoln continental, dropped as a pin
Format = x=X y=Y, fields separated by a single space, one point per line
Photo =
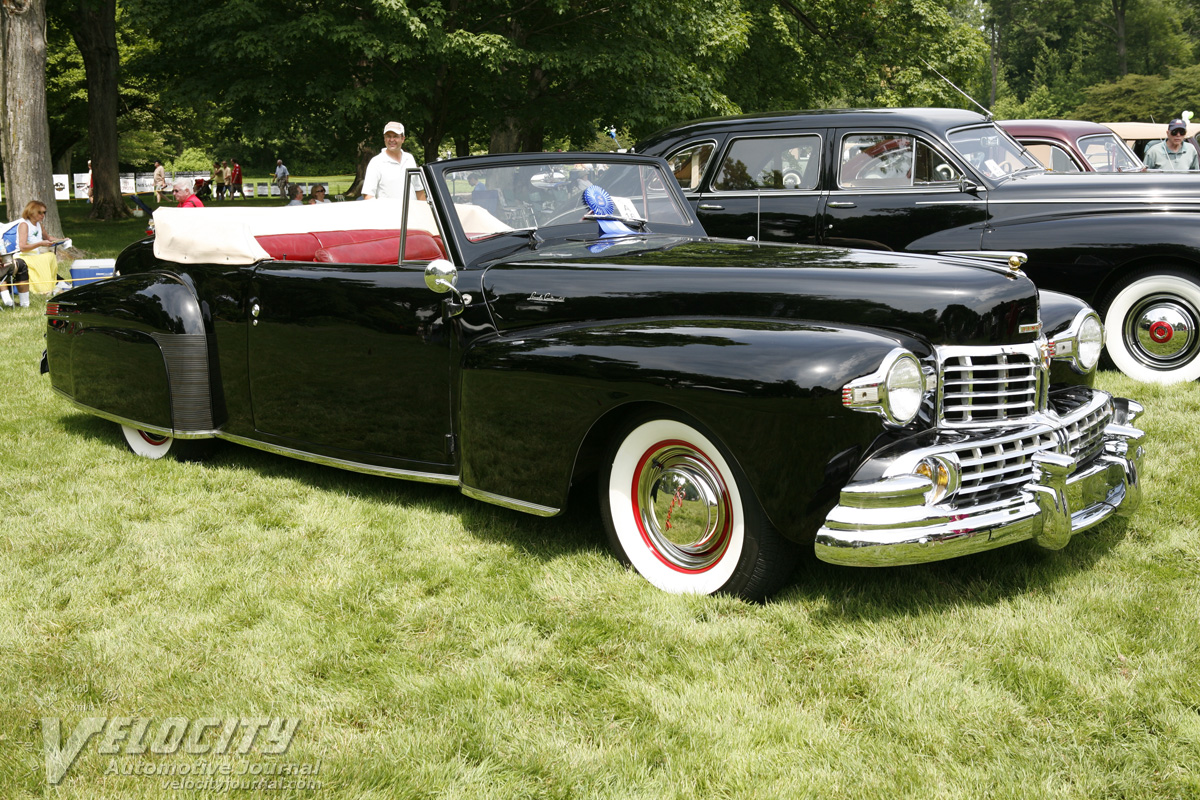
x=546 y=320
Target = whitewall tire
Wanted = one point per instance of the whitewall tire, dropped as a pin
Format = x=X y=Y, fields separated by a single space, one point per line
x=682 y=514
x=1152 y=327
x=153 y=445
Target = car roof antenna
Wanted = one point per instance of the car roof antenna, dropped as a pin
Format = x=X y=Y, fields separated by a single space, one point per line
x=986 y=113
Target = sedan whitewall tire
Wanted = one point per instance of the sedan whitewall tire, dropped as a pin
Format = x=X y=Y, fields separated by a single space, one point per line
x=1152 y=328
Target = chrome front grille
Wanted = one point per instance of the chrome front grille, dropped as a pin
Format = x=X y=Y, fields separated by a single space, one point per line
x=995 y=464
x=1085 y=436
x=996 y=468
x=983 y=386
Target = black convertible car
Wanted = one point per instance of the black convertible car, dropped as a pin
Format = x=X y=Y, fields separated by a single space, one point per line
x=547 y=320
x=933 y=180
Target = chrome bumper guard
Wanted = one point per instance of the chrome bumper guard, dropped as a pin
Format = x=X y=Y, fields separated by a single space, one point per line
x=889 y=521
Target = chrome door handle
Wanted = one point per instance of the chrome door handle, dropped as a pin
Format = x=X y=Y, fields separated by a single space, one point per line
x=708 y=207
x=254 y=312
x=841 y=204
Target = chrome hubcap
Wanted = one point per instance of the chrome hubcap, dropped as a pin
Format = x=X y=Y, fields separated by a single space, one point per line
x=1161 y=331
x=683 y=506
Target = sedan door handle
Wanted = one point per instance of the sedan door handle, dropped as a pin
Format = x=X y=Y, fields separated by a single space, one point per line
x=708 y=207
x=841 y=204
x=255 y=310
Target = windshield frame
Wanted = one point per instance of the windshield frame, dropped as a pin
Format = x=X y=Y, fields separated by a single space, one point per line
x=1135 y=162
x=1031 y=164
x=474 y=252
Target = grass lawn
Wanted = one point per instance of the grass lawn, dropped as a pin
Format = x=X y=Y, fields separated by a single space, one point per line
x=433 y=646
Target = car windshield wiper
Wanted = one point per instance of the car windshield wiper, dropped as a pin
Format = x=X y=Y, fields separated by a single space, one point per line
x=636 y=222
x=529 y=232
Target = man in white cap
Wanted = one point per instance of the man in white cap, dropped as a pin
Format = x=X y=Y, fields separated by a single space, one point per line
x=386 y=171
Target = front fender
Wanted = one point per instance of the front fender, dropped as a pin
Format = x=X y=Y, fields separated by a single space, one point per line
x=1087 y=252
x=133 y=349
x=533 y=406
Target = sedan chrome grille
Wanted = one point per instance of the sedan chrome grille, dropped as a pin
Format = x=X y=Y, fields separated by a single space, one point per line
x=983 y=386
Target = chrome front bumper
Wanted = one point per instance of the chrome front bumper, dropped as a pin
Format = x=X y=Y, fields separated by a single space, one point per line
x=890 y=521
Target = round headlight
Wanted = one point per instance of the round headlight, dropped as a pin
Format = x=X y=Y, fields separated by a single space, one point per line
x=905 y=390
x=1091 y=341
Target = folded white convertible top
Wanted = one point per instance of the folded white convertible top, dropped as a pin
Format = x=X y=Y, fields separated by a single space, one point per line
x=226 y=235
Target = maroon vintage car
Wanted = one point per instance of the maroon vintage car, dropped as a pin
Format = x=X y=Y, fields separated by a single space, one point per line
x=1065 y=145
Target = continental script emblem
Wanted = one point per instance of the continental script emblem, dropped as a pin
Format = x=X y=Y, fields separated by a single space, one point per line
x=539 y=297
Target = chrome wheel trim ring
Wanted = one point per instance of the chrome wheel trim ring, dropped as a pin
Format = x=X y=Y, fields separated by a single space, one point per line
x=682 y=506
x=1160 y=331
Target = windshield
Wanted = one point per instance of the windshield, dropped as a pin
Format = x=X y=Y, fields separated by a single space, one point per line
x=491 y=201
x=1107 y=153
x=989 y=150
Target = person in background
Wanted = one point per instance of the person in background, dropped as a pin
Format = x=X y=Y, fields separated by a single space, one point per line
x=281 y=177
x=295 y=195
x=160 y=181
x=235 y=180
x=89 y=180
x=386 y=171
x=318 y=195
x=24 y=236
x=218 y=179
x=182 y=189
x=1175 y=154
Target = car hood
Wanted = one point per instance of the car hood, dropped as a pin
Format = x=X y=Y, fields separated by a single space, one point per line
x=1140 y=188
x=935 y=299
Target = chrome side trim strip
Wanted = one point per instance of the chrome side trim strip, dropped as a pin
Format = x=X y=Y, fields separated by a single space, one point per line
x=509 y=502
x=205 y=434
x=353 y=466
x=340 y=463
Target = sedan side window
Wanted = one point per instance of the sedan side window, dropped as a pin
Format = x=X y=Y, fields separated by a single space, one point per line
x=892 y=161
x=771 y=163
x=689 y=165
x=1052 y=157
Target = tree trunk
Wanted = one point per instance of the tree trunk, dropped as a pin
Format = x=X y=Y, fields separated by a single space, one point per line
x=26 y=128
x=365 y=153
x=94 y=28
x=1118 y=7
x=506 y=137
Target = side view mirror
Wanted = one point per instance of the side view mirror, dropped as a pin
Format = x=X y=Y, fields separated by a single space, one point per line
x=968 y=186
x=441 y=277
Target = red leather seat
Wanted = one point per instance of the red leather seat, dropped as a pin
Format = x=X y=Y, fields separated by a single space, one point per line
x=421 y=246
x=290 y=246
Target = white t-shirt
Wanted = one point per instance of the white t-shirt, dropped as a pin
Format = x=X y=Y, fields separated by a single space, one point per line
x=385 y=176
x=33 y=231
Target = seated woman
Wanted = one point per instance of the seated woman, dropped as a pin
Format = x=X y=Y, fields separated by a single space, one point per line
x=23 y=236
x=317 y=195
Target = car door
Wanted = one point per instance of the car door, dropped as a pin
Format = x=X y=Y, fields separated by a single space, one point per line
x=351 y=361
x=896 y=190
x=766 y=187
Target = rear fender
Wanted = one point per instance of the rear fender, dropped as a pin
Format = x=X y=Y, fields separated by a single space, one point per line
x=540 y=407
x=133 y=349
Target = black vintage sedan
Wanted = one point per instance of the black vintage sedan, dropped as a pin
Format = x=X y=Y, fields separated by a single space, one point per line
x=545 y=320
x=931 y=180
